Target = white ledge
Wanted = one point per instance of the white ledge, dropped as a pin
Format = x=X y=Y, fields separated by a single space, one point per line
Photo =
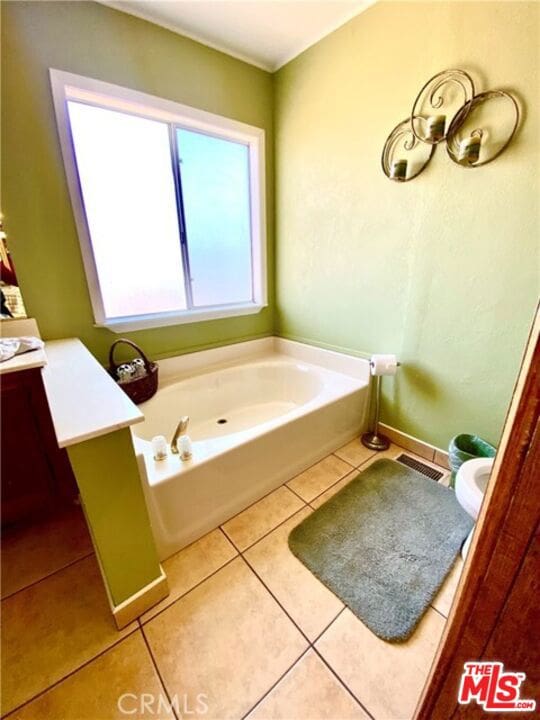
x=84 y=400
x=145 y=322
x=26 y=361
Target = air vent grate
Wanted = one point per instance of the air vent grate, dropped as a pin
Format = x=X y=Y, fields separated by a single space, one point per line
x=420 y=467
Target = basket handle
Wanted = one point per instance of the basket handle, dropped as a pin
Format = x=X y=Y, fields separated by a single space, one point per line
x=114 y=366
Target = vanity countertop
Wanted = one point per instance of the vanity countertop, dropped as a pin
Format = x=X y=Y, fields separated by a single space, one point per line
x=26 y=361
x=84 y=400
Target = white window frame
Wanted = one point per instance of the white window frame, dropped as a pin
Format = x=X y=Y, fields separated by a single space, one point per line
x=68 y=86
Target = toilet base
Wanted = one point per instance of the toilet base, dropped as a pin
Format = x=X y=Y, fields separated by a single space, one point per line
x=466 y=545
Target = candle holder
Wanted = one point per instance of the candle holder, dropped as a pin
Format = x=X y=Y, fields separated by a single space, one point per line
x=471 y=141
x=395 y=160
x=431 y=128
x=465 y=117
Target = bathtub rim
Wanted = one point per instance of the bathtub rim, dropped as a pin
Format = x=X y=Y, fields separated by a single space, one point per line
x=183 y=367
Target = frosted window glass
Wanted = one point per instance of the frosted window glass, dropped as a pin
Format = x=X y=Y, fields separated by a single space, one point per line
x=125 y=171
x=215 y=189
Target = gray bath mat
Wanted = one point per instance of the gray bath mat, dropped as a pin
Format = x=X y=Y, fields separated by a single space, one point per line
x=384 y=544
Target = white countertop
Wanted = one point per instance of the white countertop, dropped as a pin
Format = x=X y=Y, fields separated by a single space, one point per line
x=26 y=361
x=84 y=400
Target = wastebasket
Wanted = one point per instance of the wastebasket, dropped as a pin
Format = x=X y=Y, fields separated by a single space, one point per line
x=466 y=447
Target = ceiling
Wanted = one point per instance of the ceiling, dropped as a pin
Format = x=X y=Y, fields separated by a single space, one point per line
x=266 y=33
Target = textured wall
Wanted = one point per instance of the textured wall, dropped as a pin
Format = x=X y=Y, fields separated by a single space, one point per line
x=93 y=40
x=443 y=271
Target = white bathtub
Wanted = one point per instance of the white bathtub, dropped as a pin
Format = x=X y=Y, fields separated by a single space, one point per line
x=285 y=406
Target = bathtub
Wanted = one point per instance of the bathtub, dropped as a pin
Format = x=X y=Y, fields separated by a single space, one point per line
x=260 y=412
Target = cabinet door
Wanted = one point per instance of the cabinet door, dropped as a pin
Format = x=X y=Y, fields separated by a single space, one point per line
x=27 y=475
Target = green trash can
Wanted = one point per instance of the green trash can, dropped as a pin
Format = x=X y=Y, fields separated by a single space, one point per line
x=466 y=447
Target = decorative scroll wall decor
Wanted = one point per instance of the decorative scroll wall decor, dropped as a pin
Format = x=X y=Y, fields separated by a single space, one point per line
x=447 y=109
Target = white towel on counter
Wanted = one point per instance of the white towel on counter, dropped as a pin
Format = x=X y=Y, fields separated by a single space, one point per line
x=11 y=346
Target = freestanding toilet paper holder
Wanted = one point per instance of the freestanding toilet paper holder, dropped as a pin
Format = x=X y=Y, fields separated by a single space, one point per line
x=372 y=439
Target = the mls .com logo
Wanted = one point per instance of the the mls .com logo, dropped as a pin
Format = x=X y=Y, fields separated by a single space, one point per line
x=487 y=684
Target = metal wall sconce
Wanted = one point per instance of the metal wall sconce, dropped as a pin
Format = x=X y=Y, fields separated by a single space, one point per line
x=470 y=139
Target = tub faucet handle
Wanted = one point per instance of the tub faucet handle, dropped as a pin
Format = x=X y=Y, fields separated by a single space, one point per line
x=181 y=429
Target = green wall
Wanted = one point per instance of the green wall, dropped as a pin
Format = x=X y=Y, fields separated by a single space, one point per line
x=93 y=40
x=444 y=270
x=113 y=500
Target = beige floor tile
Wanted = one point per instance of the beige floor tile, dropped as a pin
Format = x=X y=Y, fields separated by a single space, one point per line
x=354 y=452
x=319 y=477
x=387 y=678
x=227 y=639
x=309 y=691
x=251 y=524
x=95 y=692
x=34 y=551
x=52 y=628
x=321 y=499
x=445 y=597
x=193 y=564
x=309 y=603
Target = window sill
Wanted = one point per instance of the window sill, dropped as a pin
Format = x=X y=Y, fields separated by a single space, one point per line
x=145 y=322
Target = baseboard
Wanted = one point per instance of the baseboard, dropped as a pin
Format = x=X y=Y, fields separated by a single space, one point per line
x=419 y=447
x=134 y=606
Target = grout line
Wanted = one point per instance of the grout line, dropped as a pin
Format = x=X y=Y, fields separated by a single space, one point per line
x=294 y=492
x=280 y=678
x=329 y=624
x=158 y=672
x=283 y=484
x=235 y=546
x=347 y=688
x=45 y=577
x=183 y=595
x=340 y=478
x=320 y=461
x=229 y=540
x=240 y=551
x=312 y=466
x=276 y=600
x=70 y=673
x=267 y=589
x=329 y=488
x=438 y=611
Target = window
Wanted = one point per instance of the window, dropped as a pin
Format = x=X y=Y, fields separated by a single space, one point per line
x=169 y=205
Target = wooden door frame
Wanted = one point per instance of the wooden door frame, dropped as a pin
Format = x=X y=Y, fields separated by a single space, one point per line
x=504 y=530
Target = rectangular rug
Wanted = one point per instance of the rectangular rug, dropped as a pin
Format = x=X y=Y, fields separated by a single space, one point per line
x=384 y=545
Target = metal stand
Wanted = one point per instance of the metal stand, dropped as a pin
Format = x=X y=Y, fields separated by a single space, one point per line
x=372 y=439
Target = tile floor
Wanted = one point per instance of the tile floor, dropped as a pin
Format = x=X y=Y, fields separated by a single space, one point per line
x=246 y=626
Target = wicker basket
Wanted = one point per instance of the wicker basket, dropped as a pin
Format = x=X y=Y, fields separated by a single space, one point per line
x=139 y=389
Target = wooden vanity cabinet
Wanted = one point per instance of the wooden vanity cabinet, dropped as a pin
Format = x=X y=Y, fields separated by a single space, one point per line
x=36 y=474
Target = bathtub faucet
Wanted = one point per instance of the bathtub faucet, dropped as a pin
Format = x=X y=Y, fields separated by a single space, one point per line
x=180 y=430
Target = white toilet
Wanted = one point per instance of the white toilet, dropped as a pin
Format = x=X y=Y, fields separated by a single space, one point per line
x=471 y=481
